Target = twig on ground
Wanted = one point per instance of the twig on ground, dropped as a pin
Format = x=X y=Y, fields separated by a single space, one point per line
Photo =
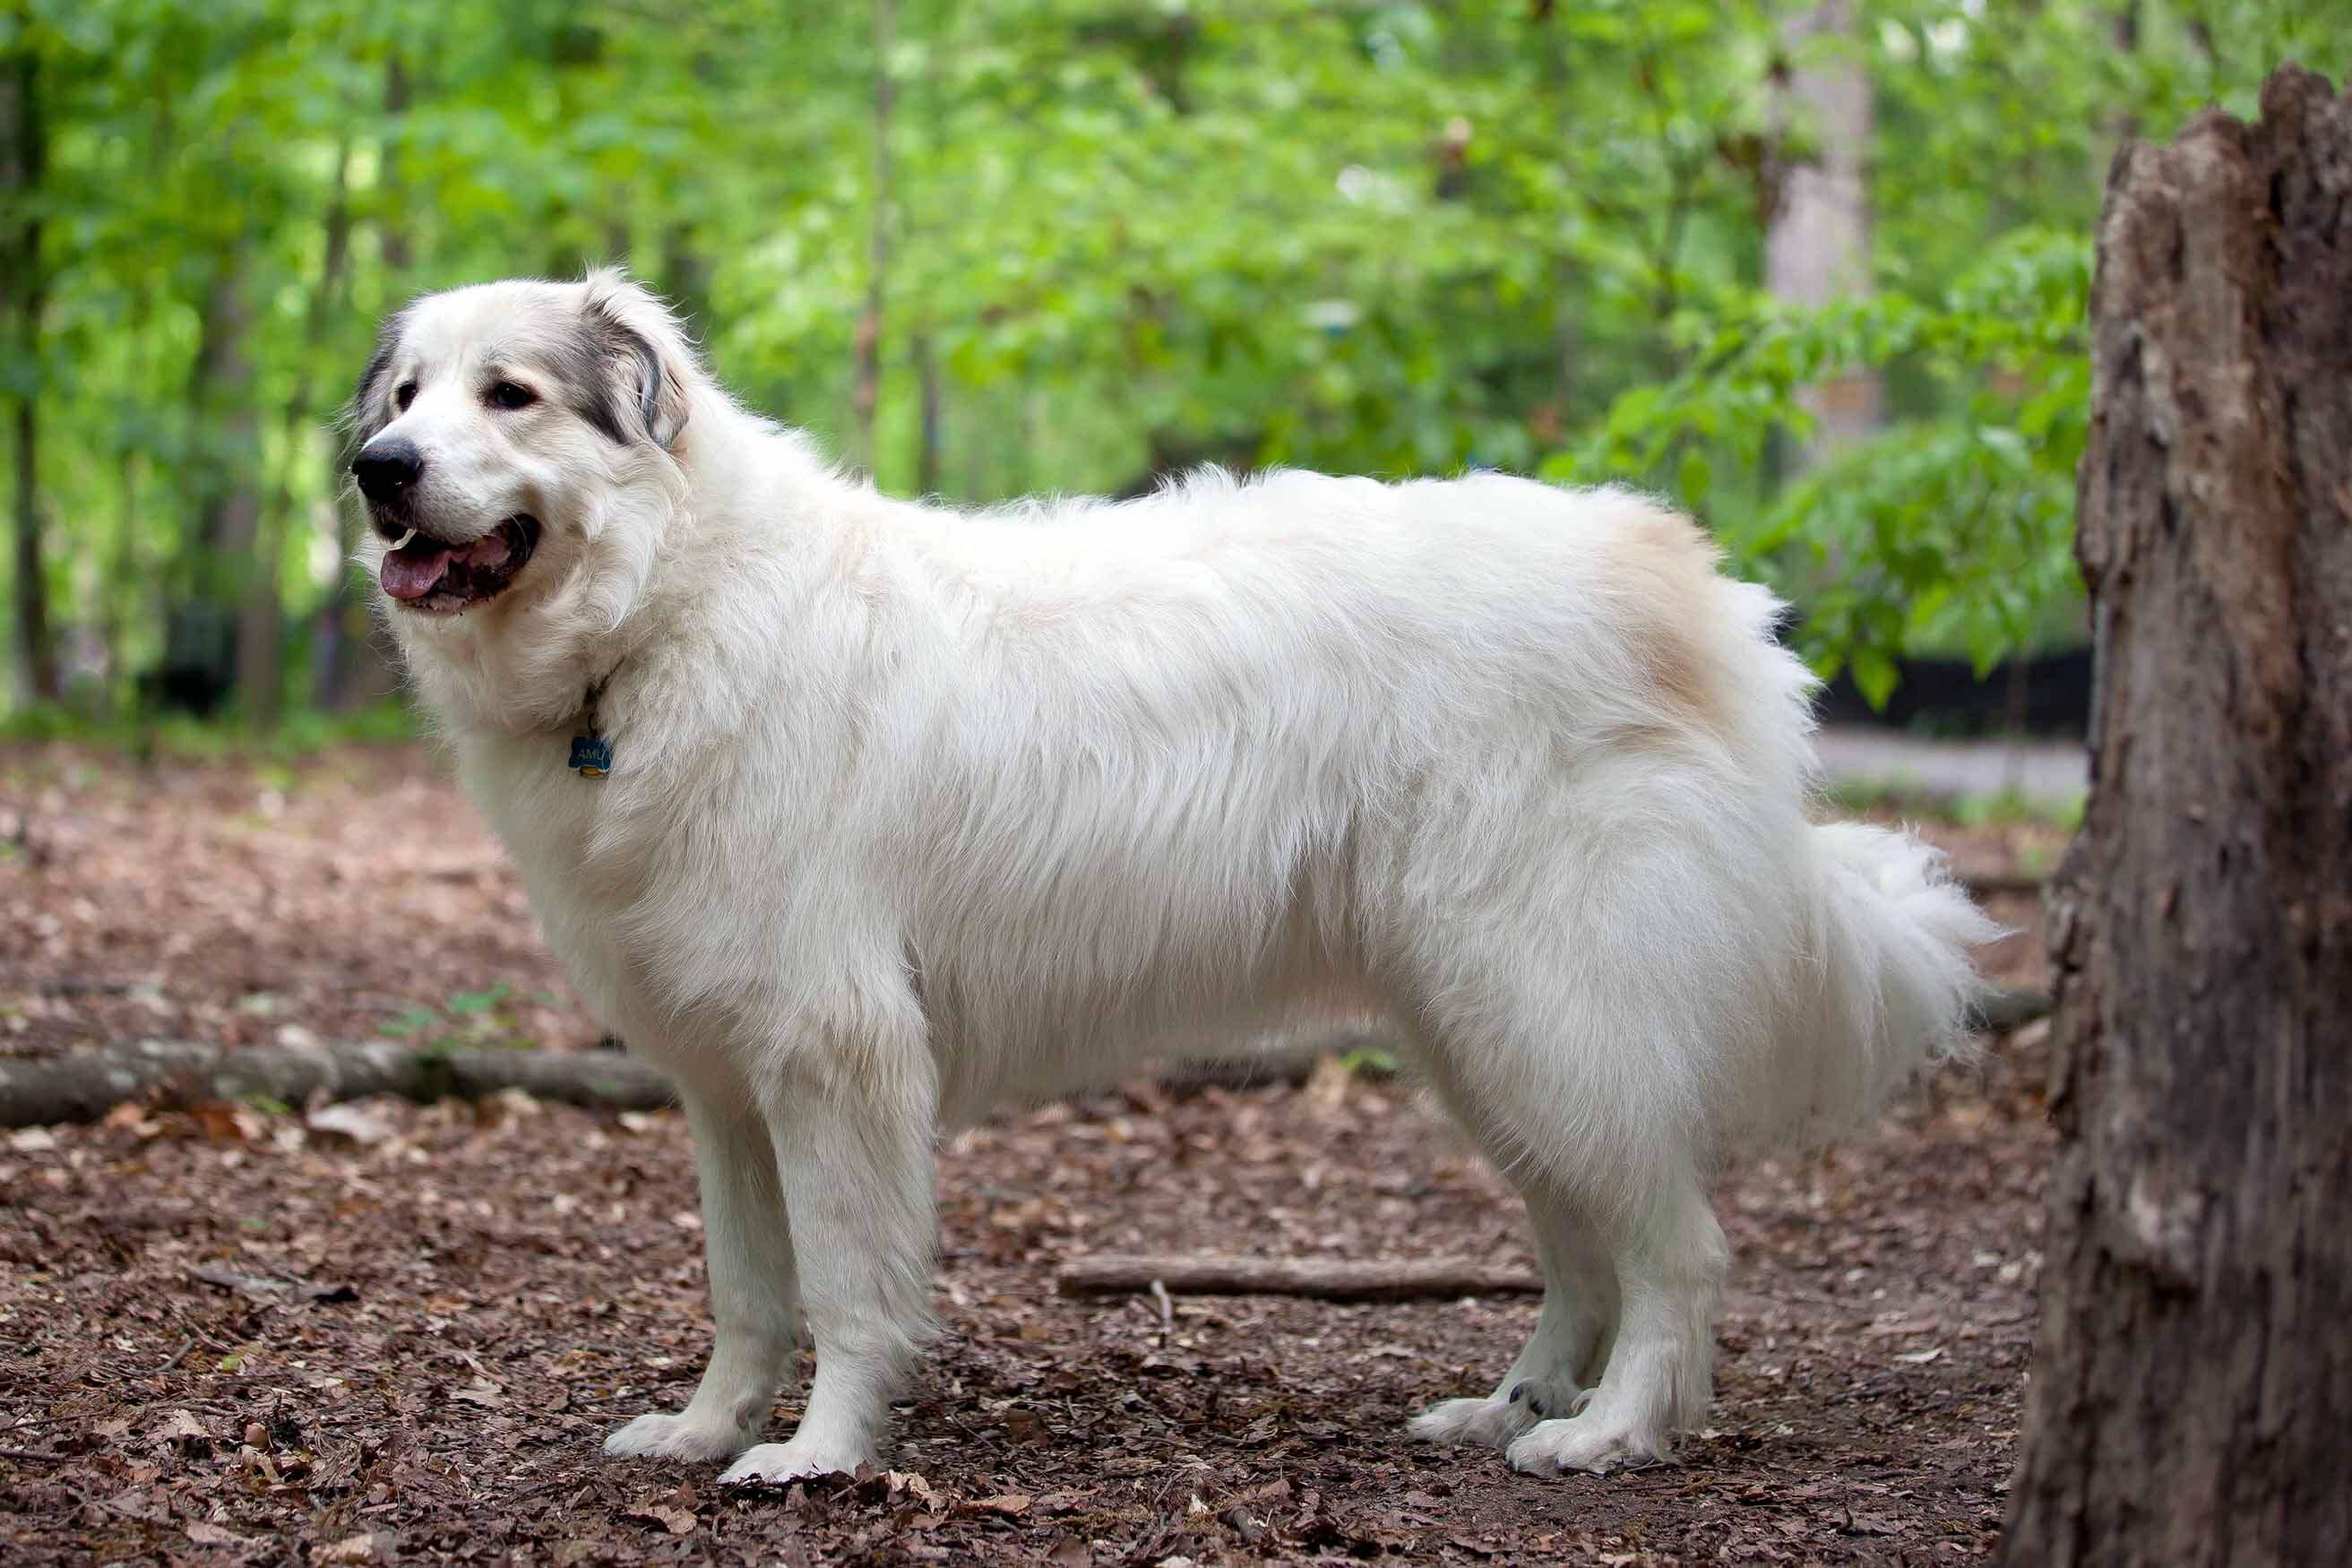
x=1167 y=1310
x=1330 y=1279
x=170 y=1361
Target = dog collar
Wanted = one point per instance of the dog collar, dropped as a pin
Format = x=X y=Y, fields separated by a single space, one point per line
x=592 y=753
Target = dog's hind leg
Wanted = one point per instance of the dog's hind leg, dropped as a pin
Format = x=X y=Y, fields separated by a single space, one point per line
x=754 y=1292
x=853 y=1126
x=1670 y=1261
x=1564 y=1354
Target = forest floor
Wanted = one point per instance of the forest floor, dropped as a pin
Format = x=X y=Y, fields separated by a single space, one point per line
x=425 y=1319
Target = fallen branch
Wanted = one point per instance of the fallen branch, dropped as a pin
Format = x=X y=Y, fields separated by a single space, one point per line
x=175 y=1074
x=1116 y=1274
x=1985 y=884
x=2009 y=1009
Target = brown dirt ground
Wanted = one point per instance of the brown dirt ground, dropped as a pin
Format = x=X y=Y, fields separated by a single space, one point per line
x=445 y=1308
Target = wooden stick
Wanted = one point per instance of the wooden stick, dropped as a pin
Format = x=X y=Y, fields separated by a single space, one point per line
x=1327 y=1279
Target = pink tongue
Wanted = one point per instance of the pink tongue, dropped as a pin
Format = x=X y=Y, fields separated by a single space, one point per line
x=411 y=572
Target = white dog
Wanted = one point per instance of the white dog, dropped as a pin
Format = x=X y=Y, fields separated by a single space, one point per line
x=886 y=814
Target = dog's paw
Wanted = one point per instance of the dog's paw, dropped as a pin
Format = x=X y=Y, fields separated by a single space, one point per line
x=1584 y=1443
x=1490 y=1423
x=773 y=1464
x=683 y=1436
x=1493 y=1421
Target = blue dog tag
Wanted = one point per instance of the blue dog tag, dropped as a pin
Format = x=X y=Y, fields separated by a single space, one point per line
x=592 y=756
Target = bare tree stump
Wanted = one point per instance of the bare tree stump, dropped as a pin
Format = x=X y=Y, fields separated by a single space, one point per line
x=2192 y=1392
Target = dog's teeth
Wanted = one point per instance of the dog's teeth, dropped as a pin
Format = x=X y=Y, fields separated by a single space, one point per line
x=402 y=541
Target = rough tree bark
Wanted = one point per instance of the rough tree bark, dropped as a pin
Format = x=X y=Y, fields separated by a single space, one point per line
x=2192 y=1394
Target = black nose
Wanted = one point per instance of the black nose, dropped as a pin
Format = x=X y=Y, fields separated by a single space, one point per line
x=384 y=468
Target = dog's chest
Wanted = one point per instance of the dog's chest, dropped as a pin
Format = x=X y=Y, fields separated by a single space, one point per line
x=583 y=876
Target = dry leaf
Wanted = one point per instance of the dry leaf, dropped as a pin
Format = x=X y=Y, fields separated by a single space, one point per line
x=911 y=1482
x=351 y=1122
x=677 y=1520
x=1012 y=1505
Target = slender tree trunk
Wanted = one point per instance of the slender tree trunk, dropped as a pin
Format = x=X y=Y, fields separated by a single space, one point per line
x=206 y=656
x=685 y=276
x=23 y=166
x=2191 y=1399
x=327 y=301
x=929 y=439
x=392 y=227
x=350 y=664
x=1817 y=246
x=868 y=395
x=244 y=554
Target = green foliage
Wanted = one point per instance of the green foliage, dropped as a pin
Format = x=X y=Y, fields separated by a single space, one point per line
x=300 y=735
x=1389 y=239
x=1952 y=527
x=469 y=1020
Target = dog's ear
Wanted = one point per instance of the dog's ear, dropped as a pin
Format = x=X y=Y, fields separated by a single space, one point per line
x=369 y=409
x=643 y=363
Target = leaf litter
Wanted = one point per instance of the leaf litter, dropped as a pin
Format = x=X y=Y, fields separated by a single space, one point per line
x=399 y=1335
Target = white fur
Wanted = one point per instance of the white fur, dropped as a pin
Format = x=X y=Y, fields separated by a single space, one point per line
x=915 y=812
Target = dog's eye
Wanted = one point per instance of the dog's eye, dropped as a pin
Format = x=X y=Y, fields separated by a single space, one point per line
x=405 y=395
x=507 y=394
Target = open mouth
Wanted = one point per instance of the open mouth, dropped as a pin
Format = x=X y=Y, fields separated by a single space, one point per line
x=427 y=573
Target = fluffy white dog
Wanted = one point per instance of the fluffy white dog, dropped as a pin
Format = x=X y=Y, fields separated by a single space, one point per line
x=859 y=816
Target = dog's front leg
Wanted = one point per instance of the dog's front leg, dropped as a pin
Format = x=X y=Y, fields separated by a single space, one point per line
x=754 y=1293
x=853 y=1142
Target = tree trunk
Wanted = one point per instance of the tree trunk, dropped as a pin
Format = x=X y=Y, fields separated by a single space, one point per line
x=213 y=642
x=866 y=397
x=351 y=665
x=930 y=435
x=1817 y=244
x=2192 y=1392
x=393 y=220
x=24 y=149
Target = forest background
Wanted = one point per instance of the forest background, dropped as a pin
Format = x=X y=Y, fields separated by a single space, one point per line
x=1817 y=272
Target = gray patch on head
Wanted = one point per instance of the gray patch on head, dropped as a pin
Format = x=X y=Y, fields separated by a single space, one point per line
x=613 y=378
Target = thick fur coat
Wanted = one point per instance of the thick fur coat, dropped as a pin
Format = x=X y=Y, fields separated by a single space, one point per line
x=914 y=811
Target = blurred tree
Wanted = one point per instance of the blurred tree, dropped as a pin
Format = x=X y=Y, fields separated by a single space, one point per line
x=1817 y=244
x=24 y=168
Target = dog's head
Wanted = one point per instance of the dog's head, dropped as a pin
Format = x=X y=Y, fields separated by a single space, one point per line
x=505 y=432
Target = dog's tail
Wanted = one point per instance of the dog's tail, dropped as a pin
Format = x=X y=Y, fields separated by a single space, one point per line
x=1891 y=987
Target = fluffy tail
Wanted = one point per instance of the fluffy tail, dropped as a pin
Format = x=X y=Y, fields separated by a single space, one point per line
x=1893 y=987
